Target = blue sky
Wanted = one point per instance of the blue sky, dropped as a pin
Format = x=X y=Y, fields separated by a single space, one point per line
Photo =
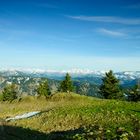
x=66 y=34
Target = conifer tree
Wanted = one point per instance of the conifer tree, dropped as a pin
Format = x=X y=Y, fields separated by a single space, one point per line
x=43 y=89
x=66 y=85
x=110 y=87
x=135 y=93
x=9 y=92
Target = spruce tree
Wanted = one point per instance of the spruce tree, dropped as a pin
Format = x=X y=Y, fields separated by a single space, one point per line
x=43 y=89
x=110 y=86
x=9 y=92
x=66 y=85
x=135 y=93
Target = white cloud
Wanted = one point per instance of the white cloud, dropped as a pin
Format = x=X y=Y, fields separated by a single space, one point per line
x=111 y=33
x=111 y=19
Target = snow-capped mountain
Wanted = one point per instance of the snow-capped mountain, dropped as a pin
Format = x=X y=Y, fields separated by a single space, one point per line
x=127 y=75
x=43 y=71
x=87 y=82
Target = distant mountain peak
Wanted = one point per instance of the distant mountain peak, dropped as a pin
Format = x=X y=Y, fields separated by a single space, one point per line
x=73 y=72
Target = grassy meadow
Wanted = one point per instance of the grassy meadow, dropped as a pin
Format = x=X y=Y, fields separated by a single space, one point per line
x=71 y=116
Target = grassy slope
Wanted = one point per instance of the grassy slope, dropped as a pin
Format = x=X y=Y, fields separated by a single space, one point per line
x=71 y=111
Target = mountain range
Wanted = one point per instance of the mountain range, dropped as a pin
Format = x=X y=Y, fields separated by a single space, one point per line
x=86 y=82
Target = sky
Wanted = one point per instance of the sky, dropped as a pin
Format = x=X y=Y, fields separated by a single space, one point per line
x=67 y=34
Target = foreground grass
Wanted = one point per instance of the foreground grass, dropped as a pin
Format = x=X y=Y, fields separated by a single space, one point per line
x=80 y=117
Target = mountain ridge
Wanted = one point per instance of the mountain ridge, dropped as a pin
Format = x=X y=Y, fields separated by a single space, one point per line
x=87 y=84
x=73 y=72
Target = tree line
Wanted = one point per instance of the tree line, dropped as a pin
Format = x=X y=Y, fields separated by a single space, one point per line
x=109 y=89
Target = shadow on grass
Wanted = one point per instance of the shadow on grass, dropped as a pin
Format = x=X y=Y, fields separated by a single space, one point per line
x=19 y=133
x=138 y=111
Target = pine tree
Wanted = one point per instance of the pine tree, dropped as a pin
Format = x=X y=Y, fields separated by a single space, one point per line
x=110 y=87
x=66 y=85
x=135 y=93
x=9 y=93
x=43 y=89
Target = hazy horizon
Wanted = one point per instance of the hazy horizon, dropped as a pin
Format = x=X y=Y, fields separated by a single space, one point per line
x=70 y=70
x=73 y=34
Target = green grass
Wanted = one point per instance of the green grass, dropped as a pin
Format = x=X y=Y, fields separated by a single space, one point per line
x=65 y=112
